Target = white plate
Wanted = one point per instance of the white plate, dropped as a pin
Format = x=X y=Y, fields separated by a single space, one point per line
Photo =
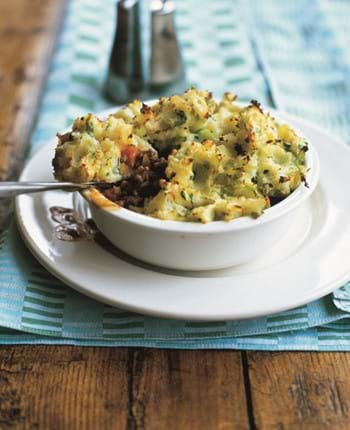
x=310 y=261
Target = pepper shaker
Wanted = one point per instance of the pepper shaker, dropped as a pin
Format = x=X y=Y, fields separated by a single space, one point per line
x=125 y=75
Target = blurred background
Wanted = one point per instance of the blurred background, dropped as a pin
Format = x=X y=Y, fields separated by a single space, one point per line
x=291 y=55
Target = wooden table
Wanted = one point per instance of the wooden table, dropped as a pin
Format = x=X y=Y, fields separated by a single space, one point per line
x=63 y=387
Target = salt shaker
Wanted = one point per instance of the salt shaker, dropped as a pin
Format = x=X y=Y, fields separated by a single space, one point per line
x=166 y=69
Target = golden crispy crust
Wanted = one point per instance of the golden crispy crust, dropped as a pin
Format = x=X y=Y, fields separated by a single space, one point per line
x=223 y=160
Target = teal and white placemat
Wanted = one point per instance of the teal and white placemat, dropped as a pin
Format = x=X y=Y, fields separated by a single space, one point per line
x=292 y=55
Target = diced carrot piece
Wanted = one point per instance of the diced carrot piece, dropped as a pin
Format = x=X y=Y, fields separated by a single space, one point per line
x=130 y=154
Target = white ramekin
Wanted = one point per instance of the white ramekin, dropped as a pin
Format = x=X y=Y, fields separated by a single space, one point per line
x=197 y=246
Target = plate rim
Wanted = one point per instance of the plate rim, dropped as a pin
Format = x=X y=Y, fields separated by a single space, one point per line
x=307 y=298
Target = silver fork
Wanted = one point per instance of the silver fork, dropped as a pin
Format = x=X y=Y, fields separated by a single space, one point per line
x=12 y=189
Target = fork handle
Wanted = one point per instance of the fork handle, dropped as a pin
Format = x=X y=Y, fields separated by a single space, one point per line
x=12 y=189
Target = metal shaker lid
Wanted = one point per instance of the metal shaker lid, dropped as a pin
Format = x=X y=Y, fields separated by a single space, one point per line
x=162 y=7
x=166 y=62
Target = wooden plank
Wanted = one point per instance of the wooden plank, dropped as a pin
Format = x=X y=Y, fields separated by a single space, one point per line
x=28 y=31
x=188 y=390
x=300 y=390
x=61 y=387
x=65 y=387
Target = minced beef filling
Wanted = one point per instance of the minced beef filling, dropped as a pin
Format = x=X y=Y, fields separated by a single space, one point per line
x=146 y=180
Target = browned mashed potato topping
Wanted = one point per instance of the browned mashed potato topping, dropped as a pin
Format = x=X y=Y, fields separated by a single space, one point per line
x=186 y=158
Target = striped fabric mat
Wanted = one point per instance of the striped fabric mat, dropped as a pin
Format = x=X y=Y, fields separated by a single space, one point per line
x=291 y=55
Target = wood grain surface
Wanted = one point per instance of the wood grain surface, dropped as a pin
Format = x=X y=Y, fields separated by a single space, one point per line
x=65 y=387
x=300 y=390
x=110 y=388
x=187 y=390
x=28 y=31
